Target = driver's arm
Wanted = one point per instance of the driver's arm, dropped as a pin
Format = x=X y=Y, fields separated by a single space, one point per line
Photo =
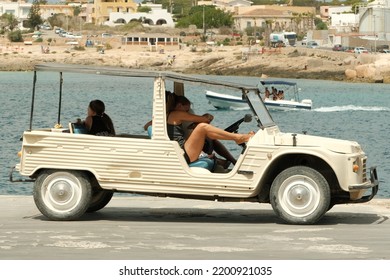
x=188 y=117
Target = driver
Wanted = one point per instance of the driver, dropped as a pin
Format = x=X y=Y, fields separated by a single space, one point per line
x=193 y=145
x=211 y=145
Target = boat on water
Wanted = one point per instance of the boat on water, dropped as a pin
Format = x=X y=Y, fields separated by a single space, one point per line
x=289 y=90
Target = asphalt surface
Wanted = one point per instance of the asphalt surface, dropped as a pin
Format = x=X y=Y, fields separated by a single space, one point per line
x=149 y=228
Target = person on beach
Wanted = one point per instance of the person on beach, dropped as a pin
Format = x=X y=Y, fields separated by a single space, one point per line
x=97 y=121
x=194 y=144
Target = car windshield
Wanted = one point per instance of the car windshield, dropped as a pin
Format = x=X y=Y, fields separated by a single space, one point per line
x=262 y=115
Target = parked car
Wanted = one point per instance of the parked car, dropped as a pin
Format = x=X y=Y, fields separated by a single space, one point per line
x=62 y=33
x=302 y=176
x=337 y=48
x=36 y=35
x=349 y=49
x=385 y=51
x=382 y=48
x=312 y=44
x=75 y=36
x=45 y=27
x=304 y=41
x=106 y=35
x=359 y=50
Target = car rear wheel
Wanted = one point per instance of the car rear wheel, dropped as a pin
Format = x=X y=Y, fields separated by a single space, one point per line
x=300 y=195
x=62 y=195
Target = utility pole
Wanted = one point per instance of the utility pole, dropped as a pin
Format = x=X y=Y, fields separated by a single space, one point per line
x=374 y=34
x=204 y=24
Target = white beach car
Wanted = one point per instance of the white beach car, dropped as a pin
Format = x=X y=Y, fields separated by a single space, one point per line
x=301 y=176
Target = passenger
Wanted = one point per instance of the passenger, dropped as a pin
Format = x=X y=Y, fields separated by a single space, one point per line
x=274 y=93
x=267 y=93
x=97 y=121
x=281 y=95
x=194 y=144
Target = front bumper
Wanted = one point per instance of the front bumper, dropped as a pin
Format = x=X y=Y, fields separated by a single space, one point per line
x=13 y=180
x=373 y=185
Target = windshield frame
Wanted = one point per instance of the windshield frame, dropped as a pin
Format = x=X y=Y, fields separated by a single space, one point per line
x=262 y=115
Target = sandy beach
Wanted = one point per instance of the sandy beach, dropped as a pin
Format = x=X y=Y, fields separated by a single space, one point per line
x=289 y=62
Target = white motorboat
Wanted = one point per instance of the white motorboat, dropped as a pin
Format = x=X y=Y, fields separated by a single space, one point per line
x=289 y=101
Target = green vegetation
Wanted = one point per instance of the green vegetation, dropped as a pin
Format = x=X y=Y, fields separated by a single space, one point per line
x=79 y=48
x=57 y=20
x=34 y=17
x=320 y=25
x=143 y=9
x=210 y=16
x=15 y=36
x=8 y=22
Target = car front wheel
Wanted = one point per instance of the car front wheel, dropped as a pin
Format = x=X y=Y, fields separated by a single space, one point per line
x=300 y=195
x=62 y=195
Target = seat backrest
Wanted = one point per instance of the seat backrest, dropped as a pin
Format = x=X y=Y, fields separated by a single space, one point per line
x=77 y=128
x=150 y=134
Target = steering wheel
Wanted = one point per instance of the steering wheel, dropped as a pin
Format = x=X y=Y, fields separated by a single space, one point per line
x=233 y=128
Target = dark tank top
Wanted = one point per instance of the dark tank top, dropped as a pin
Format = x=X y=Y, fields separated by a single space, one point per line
x=99 y=128
x=176 y=132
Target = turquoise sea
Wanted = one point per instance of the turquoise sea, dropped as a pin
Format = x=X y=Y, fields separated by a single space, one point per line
x=359 y=112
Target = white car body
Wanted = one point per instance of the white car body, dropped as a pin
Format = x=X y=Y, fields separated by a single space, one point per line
x=360 y=50
x=312 y=44
x=302 y=176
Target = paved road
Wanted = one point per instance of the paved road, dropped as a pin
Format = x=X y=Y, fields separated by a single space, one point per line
x=147 y=228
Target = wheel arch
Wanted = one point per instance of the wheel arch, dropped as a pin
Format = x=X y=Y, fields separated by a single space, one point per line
x=94 y=182
x=294 y=159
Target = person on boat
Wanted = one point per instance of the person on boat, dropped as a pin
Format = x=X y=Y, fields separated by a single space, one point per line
x=97 y=121
x=281 y=95
x=267 y=93
x=277 y=95
x=274 y=93
x=193 y=145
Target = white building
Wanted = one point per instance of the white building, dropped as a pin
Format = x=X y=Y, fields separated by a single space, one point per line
x=19 y=9
x=375 y=20
x=156 y=17
x=343 y=20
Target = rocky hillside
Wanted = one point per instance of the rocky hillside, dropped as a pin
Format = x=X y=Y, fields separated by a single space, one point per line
x=287 y=62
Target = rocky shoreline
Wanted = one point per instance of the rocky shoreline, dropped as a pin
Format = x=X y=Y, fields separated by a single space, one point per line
x=295 y=63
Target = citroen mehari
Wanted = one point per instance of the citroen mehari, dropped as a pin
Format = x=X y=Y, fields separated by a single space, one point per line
x=302 y=176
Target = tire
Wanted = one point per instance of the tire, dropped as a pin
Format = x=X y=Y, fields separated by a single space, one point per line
x=300 y=195
x=62 y=195
x=99 y=200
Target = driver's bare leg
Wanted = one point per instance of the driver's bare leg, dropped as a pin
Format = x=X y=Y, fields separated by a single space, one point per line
x=194 y=144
